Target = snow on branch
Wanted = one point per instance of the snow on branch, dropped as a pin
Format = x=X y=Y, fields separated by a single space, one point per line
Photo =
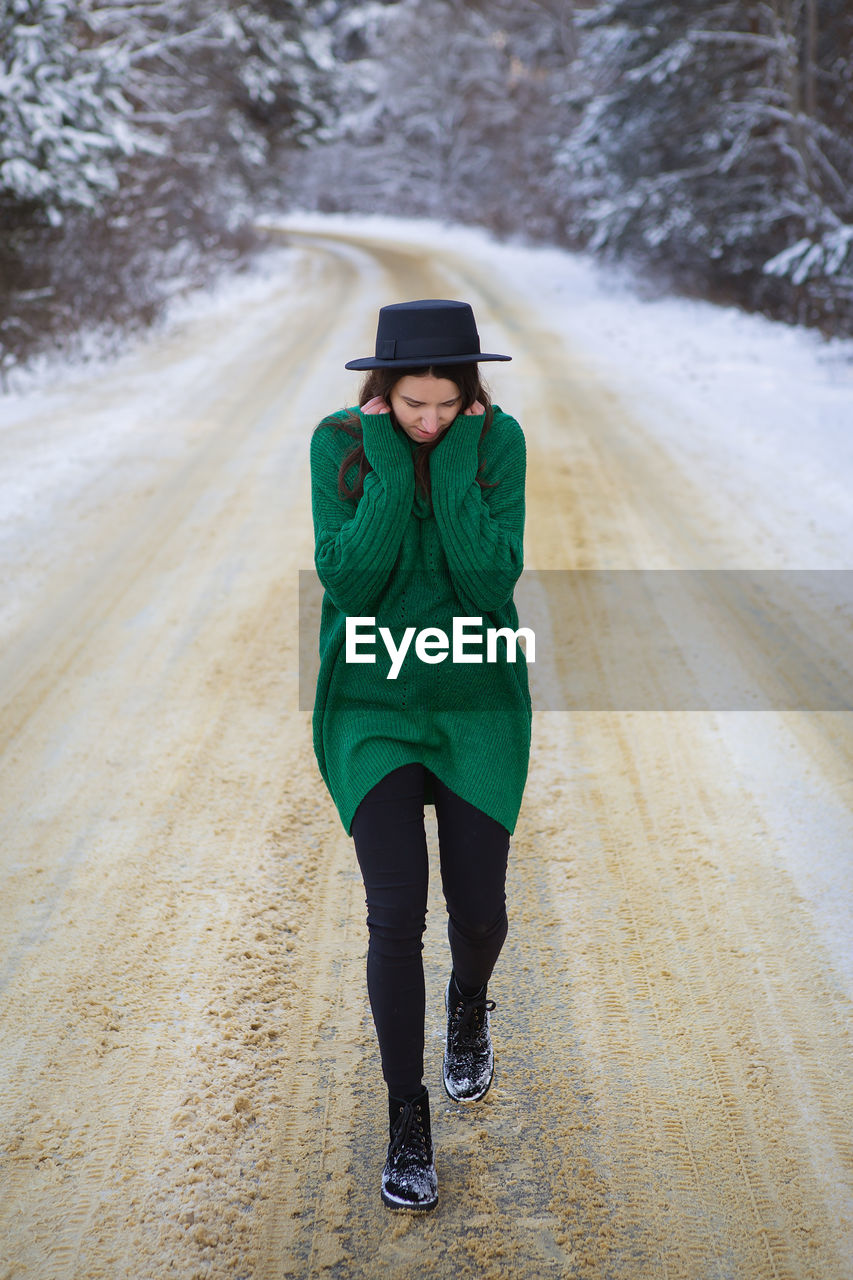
x=749 y=39
x=809 y=258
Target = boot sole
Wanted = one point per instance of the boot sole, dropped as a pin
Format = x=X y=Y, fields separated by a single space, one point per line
x=476 y=1097
x=405 y=1206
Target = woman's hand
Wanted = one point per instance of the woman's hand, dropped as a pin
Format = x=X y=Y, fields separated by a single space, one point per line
x=474 y=410
x=377 y=405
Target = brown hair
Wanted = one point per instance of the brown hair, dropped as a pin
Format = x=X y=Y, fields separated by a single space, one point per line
x=381 y=382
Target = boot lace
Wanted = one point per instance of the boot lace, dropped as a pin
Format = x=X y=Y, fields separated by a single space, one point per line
x=469 y=1017
x=408 y=1132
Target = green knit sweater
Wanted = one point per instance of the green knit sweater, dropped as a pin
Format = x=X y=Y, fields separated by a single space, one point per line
x=406 y=561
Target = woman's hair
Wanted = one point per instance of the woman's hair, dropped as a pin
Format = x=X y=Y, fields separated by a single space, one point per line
x=381 y=382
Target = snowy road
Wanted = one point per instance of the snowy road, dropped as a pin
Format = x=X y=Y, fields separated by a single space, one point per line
x=188 y=1079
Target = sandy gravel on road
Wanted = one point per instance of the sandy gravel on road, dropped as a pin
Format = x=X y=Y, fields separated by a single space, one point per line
x=188 y=1075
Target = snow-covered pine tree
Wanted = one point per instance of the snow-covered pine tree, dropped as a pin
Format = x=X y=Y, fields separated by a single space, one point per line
x=133 y=137
x=447 y=111
x=696 y=152
x=817 y=262
x=65 y=122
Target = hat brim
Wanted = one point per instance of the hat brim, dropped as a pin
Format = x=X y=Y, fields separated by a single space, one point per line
x=422 y=362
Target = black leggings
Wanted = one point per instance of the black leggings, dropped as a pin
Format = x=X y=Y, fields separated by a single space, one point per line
x=390 y=844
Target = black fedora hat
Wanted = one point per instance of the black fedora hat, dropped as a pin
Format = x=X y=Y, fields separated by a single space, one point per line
x=430 y=331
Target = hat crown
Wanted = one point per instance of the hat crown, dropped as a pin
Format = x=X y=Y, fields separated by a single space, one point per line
x=427 y=331
x=427 y=328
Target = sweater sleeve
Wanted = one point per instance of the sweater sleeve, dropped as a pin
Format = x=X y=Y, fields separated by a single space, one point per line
x=356 y=546
x=481 y=529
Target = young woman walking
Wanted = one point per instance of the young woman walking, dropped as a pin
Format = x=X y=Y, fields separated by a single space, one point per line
x=422 y=695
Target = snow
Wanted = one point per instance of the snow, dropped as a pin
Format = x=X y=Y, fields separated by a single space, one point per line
x=763 y=407
x=767 y=407
x=111 y=415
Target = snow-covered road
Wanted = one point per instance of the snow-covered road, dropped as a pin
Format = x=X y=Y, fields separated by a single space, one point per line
x=188 y=1079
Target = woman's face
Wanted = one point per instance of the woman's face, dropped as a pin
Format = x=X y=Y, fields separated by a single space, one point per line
x=425 y=405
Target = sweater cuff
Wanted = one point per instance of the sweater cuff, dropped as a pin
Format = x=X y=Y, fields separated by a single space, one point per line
x=455 y=460
x=386 y=451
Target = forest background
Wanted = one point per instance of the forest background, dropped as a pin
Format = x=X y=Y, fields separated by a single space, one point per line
x=707 y=144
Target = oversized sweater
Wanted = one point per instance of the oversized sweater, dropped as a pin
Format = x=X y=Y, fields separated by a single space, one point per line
x=410 y=562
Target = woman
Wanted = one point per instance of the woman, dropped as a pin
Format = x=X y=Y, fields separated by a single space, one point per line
x=418 y=504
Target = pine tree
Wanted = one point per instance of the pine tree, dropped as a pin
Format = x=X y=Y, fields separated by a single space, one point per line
x=704 y=150
x=65 y=122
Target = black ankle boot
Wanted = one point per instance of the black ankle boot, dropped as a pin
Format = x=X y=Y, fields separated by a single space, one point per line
x=469 y=1062
x=408 y=1179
